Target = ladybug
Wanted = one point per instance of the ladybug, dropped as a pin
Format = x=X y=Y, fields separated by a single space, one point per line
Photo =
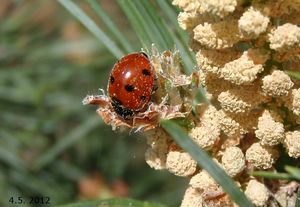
x=131 y=84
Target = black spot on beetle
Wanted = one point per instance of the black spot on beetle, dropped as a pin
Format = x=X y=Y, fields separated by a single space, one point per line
x=129 y=88
x=143 y=98
x=146 y=72
x=112 y=79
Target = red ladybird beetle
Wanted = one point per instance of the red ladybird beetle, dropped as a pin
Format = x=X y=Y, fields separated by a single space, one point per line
x=131 y=84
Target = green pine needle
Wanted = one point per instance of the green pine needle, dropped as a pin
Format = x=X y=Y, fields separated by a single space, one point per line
x=92 y=27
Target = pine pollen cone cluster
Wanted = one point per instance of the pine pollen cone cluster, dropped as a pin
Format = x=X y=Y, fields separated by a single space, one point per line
x=243 y=50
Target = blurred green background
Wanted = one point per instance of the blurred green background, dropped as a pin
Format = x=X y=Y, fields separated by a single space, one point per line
x=50 y=144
